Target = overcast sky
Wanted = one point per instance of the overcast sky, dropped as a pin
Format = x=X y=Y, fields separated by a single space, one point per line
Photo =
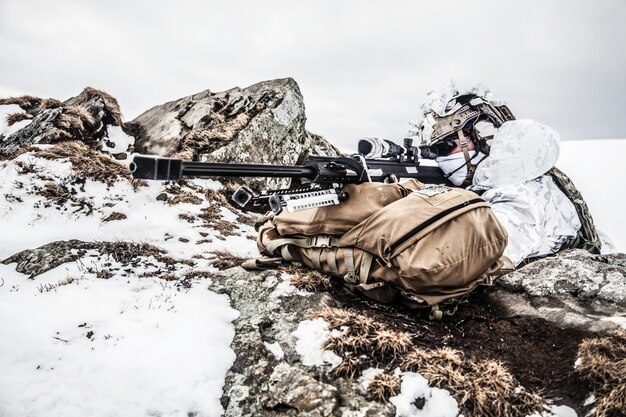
x=363 y=66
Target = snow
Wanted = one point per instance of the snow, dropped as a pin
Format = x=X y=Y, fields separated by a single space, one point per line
x=73 y=344
x=557 y=411
x=31 y=225
x=438 y=402
x=118 y=347
x=121 y=141
x=5 y=111
x=311 y=335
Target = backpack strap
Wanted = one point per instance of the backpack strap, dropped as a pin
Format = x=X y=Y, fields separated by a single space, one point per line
x=318 y=241
x=332 y=261
x=587 y=237
x=258 y=264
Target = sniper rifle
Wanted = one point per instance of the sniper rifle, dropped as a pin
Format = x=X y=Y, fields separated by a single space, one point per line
x=321 y=177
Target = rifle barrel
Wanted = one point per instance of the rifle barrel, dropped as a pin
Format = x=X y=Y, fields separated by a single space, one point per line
x=246 y=170
x=168 y=169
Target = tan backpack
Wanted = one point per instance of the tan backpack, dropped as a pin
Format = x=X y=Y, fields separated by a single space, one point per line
x=423 y=245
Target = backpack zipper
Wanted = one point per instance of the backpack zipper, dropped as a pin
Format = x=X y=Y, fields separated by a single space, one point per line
x=430 y=221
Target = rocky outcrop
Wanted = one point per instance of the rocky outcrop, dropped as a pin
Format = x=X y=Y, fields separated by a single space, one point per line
x=84 y=117
x=549 y=306
x=575 y=288
x=263 y=123
x=268 y=378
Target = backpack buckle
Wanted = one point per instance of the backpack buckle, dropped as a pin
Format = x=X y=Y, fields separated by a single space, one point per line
x=321 y=241
x=351 y=278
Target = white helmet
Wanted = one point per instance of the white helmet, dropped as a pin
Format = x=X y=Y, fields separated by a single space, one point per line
x=463 y=112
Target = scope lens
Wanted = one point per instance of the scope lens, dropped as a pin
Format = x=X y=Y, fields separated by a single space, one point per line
x=365 y=147
x=379 y=148
x=373 y=147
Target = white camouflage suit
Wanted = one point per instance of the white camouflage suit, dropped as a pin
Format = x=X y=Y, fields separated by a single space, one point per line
x=538 y=217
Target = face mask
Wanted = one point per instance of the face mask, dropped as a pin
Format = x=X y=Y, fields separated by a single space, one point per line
x=451 y=163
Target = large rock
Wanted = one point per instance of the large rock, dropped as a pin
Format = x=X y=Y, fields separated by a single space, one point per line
x=263 y=123
x=575 y=289
x=84 y=117
x=268 y=377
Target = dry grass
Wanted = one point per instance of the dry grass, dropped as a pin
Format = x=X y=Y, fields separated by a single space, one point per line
x=224 y=260
x=27 y=103
x=443 y=367
x=27 y=168
x=603 y=366
x=488 y=390
x=383 y=386
x=185 y=197
x=115 y=216
x=129 y=253
x=350 y=367
x=198 y=275
x=189 y=218
x=49 y=287
x=110 y=103
x=74 y=122
x=484 y=388
x=212 y=215
x=50 y=103
x=307 y=279
x=55 y=193
x=17 y=117
x=391 y=342
x=364 y=335
x=209 y=135
x=86 y=162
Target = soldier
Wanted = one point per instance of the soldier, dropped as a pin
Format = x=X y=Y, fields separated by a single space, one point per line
x=480 y=145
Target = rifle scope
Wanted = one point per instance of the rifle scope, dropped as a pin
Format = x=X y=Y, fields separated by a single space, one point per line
x=374 y=148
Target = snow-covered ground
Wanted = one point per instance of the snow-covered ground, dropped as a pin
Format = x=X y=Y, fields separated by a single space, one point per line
x=74 y=344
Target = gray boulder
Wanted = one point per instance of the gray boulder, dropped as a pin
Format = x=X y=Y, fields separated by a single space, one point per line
x=263 y=123
x=575 y=288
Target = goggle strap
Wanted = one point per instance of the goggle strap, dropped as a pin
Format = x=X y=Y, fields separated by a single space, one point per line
x=463 y=143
